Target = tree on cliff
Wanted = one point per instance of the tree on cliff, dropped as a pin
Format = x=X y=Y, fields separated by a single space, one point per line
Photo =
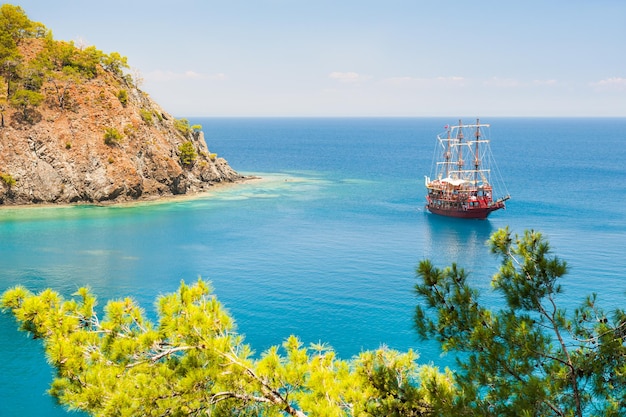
x=530 y=358
x=62 y=64
x=14 y=27
x=25 y=100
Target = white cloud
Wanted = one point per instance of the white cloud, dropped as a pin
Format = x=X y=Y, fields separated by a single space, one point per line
x=159 y=75
x=610 y=84
x=193 y=75
x=452 y=81
x=348 y=77
x=502 y=82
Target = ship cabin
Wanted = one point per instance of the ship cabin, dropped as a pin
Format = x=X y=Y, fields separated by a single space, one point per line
x=458 y=194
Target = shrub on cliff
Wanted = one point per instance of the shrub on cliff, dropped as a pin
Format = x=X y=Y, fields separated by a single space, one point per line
x=114 y=62
x=185 y=129
x=7 y=179
x=188 y=154
x=182 y=125
x=112 y=136
x=26 y=101
x=122 y=96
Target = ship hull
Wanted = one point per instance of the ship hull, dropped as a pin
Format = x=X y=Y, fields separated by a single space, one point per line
x=463 y=209
x=475 y=213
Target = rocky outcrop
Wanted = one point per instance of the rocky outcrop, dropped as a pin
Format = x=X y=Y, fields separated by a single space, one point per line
x=109 y=142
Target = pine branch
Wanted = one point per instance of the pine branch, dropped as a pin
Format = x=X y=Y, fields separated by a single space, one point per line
x=158 y=356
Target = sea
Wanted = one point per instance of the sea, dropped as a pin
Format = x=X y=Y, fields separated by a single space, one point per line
x=324 y=244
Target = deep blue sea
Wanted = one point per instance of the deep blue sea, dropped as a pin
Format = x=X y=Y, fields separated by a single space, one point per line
x=325 y=245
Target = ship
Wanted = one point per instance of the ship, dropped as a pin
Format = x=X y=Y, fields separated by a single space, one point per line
x=462 y=168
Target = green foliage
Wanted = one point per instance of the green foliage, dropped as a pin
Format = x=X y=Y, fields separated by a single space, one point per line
x=59 y=63
x=59 y=55
x=15 y=26
x=25 y=100
x=399 y=388
x=182 y=125
x=130 y=130
x=188 y=131
x=530 y=358
x=7 y=179
x=112 y=136
x=188 y=154
x=192 y=362
x=62 y=82
x=32 y=79
x=114 y=63
x=122 y=96
x=146 y=116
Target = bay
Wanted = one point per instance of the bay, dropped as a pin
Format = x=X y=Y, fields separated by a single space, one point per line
x=325 y=244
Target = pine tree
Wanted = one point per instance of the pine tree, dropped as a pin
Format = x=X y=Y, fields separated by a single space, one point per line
x=531 y=357
x=192 y=363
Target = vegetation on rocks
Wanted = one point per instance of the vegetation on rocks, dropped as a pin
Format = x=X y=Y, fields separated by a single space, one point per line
x=7 y=179
x=188 y=154
x=56 y=100
x=112 y=136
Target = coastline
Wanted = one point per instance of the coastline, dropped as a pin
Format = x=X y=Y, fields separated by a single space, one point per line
x=147 y=200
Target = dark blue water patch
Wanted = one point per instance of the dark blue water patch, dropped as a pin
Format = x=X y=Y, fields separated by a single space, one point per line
x=361 y=148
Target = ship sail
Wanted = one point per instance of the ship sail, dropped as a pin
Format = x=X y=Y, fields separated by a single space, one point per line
x=462 y=183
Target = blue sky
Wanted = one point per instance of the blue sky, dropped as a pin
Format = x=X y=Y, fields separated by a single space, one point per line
x=364 y=58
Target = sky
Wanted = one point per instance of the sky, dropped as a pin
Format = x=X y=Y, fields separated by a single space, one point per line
x=360 y=58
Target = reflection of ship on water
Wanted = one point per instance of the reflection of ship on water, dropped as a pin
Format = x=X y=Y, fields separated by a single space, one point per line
x=454 y=240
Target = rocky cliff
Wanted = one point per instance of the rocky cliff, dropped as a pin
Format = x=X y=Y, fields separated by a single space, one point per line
x=95 y=138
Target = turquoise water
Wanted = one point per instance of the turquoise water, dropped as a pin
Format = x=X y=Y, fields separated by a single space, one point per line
x=325 y=245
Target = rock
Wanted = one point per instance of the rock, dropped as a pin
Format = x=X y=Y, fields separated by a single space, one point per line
x=60 y=155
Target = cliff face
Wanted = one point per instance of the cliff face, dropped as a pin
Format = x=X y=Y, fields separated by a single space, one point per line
x=97 y=140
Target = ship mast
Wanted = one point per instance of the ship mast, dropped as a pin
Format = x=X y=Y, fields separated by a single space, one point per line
x=447 y=156
x=476 y=155
x=459 y=137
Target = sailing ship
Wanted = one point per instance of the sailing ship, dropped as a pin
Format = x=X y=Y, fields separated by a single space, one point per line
x=463 y=171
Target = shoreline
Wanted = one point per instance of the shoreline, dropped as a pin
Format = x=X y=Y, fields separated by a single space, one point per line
x=147 y=200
